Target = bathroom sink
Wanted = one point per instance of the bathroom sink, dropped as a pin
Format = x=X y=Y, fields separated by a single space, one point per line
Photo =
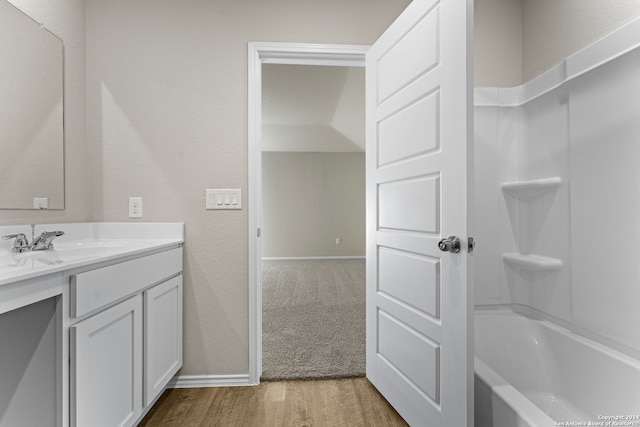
x=70 y=254
x=80 y=249
x=92 y=244
x=83 y=244
x=44 y=257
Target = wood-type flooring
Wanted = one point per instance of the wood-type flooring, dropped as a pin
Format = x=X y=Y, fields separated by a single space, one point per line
x=342 y=402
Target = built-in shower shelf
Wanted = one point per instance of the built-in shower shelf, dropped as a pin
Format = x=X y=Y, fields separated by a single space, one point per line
x=533 y=262
x=533 y=187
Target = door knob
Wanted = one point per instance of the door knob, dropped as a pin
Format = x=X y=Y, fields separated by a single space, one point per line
x=450 y=244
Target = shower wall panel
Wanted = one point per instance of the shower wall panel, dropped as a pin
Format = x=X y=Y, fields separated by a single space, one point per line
x=558 y=203
x=487 y=176
x=542 y=218
x=605 y=199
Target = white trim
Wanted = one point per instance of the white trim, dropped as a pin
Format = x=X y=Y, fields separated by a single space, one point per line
x=198 y=381
x=296 y=258
x=608 y=48
x=274 y=53
x=254 y=212
x=310 y=54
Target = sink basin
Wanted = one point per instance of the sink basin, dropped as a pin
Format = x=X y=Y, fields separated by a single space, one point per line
x=67 y=254
x=79 y=249
x=45 y=257
x=84 y=244
x=89 y=244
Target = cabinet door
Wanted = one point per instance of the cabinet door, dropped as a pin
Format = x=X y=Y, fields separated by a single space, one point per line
x=162 y=336
x=106 y=367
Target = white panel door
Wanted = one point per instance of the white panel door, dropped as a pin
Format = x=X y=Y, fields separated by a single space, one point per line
x=162 y=336
x=419 y=127
x=106 y=367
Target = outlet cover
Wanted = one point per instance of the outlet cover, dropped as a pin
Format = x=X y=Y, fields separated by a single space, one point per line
x=40 y=203
x=135 y=207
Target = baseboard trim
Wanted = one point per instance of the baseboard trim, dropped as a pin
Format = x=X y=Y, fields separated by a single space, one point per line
x=198 y=381
x=295 y=258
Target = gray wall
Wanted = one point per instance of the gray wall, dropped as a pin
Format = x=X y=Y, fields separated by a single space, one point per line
x=167 y=118
x=516 y=40
x=553 y=30
x=309 y=200
x=498 y=43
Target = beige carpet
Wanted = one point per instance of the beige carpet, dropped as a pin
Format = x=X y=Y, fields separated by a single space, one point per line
x=313 y=319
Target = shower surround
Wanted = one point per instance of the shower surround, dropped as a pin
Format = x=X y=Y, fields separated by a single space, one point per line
x=557 y=200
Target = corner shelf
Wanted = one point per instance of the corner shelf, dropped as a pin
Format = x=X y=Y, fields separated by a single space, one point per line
x=533 y=262
x=531 y=188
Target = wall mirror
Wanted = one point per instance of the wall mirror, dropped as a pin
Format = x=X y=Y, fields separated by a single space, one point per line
x=31 y=113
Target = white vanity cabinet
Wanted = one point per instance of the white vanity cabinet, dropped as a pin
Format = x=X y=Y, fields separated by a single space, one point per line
x=91 y=330
x=106 y=367
x=125 y=337
x=162 y=336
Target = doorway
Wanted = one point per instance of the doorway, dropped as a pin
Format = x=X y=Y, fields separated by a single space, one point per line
x=274 y=53
x=313 y=222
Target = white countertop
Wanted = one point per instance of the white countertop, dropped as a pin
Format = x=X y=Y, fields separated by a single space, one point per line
x=84 y=244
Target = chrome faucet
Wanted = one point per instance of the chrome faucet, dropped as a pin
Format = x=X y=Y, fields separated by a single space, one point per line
x=44 y=240
x=40 y=243
x=21 y=244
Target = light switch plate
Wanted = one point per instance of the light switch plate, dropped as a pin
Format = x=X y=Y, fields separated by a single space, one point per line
x=223 y=198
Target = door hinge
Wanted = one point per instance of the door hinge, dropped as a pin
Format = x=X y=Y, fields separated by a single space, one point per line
x=259 y=232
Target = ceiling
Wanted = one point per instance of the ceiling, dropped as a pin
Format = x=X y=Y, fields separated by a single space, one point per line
x=312 y=108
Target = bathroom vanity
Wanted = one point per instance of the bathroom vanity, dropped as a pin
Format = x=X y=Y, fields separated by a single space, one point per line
x=91 y=330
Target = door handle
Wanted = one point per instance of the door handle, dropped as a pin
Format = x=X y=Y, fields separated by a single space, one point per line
x=450 y=244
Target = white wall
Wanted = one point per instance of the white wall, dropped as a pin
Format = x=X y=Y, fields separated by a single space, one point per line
x=167 y=118
x=349 y=118
x=65 y=18
x=312 y=108
x=309 y=200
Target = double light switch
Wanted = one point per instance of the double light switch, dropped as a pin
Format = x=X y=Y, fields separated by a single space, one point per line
x=224 y=199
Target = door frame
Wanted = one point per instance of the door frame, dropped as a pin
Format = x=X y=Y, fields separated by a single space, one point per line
x=274 y=53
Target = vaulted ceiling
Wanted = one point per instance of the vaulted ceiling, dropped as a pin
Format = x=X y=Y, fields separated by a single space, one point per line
x=312 y=108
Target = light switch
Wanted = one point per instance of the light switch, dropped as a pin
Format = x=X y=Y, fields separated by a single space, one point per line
x=223 y=199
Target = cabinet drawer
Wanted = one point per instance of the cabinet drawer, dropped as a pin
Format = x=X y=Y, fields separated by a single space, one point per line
x=97 y=288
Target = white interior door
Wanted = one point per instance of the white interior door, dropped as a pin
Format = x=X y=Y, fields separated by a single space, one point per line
x=419 y=130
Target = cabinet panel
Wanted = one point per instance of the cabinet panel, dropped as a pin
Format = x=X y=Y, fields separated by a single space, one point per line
x=106 y=367
x=94 y=289
x=162 y=336
x=29 y=362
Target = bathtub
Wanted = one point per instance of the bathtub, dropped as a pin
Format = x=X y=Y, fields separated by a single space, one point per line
x=534 y=373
